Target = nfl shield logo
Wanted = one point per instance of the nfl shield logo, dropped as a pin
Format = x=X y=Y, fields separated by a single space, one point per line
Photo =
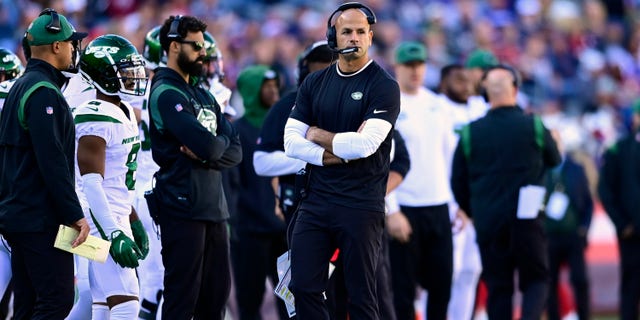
x=178 y=107
x=49 y=110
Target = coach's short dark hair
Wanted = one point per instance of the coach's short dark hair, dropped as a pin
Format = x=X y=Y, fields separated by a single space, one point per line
x=185 y=24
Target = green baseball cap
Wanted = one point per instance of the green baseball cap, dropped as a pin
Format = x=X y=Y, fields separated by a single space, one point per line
x=411 y=51
x=482 y=59
x=50 y=27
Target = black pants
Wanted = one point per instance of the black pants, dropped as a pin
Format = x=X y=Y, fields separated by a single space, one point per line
x=254 y=258
x=520 y=245
x=197 y=276
x=426 y=260
x=337 y=297
x=630 y=281
x=42 y=276
x=568 y=248
x=320 y=228
x=4 y=302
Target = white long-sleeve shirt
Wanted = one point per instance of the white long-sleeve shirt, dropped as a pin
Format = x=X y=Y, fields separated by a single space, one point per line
x=425 y=124
x=463 y=113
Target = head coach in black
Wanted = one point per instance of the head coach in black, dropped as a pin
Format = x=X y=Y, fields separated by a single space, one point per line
x=342 y=125
x=192 y=142
x=495 y=157
x=37 y=185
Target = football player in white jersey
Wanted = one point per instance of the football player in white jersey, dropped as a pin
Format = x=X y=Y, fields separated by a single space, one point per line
x=107 y=143
x=10 y=69
x=152 y=56
x=455 y=90
x=213 y=65
x=76 y=91
x=151 y=270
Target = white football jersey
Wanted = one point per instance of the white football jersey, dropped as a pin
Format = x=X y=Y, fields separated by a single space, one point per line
x=76 y=91
x=146 y=166
x=5 y=86
x=120 y=132
x=462 y=113
x=222 y=94
x=478 y=107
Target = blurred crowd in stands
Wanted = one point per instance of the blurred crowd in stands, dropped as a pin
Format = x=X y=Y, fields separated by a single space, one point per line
x=579 y=59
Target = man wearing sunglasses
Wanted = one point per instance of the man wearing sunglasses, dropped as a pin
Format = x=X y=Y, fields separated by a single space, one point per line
x=37 y=192
x=192 y=142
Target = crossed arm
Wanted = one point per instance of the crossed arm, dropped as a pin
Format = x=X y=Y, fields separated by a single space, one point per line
x=321 y=147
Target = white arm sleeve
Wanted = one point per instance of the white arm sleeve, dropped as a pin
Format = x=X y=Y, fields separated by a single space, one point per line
x=98 y=204
x=393 y=150
x=275 y=163
x=356 y=145
x=391 y=203
x=297 y=146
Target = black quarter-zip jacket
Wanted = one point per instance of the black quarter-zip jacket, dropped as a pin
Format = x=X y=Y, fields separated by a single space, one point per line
x=37 y=183
x=504 y=156
x=185 y=115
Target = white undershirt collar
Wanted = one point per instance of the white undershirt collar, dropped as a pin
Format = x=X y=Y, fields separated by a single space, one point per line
x=353 y=74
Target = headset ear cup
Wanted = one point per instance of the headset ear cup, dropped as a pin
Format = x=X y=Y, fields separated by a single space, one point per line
x=26 y=49
x=303 y=71
x=173 y=29
x=332 y=40
x=517 y=82
x=331 y=37
x=483 y=94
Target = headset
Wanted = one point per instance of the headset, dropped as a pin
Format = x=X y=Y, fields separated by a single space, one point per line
x=332 y=38
x=54 y=25
x=514 y=73
x=173 y=29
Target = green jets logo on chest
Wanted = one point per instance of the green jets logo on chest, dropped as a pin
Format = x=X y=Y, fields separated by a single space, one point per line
x=208 y=119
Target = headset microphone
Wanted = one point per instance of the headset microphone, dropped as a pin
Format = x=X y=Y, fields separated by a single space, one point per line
x=348 y=50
